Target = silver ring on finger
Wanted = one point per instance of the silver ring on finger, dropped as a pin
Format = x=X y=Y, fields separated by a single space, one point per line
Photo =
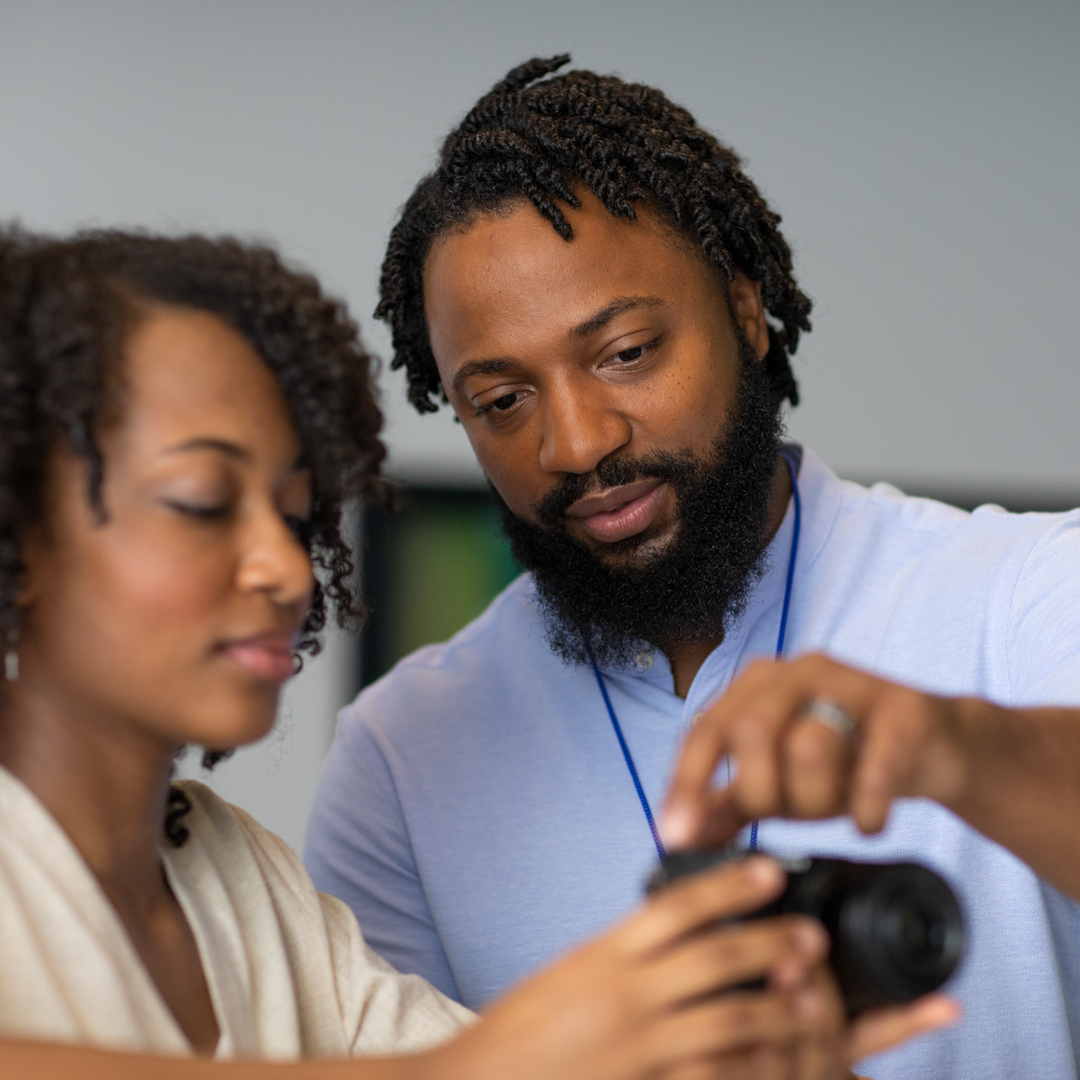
x=832 y=715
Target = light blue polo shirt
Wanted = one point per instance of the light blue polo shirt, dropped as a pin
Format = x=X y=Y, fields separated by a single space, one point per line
x=477 y=814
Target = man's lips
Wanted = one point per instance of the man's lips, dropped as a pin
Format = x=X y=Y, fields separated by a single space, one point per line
x=269 y=655
x=619 y=512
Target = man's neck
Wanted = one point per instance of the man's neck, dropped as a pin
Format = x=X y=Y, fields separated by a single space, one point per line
x=686 y=660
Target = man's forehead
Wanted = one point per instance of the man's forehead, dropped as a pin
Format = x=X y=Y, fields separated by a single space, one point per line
x=513 y=271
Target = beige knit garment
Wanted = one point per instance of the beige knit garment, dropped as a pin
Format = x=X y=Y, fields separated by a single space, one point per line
x=289 y=973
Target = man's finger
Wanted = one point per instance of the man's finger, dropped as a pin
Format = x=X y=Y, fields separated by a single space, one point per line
x=817 y=766
x=721 y=820
x=891 y=749
x=705 y=744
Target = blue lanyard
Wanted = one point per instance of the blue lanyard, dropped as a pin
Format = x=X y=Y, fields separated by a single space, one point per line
x=628 y=757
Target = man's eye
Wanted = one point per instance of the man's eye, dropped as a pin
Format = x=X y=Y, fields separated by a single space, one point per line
x=507 y=401
x=628 y=356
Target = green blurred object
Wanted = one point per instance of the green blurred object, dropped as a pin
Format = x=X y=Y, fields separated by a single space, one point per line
x=428 y=570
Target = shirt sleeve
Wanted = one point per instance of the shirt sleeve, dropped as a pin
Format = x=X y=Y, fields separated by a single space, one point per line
x=384 y=1012
x=358 y=849
x=1043 y=643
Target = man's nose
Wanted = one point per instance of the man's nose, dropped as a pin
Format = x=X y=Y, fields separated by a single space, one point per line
x=580 y=429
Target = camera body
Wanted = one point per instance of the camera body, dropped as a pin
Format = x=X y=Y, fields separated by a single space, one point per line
x=895 y=929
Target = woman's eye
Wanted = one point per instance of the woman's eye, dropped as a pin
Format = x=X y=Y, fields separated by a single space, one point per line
x=202 y=511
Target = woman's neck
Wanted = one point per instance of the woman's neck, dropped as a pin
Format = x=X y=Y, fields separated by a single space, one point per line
x=104 y=780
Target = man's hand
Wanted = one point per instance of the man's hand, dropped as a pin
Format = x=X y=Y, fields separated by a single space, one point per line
x=1013 y=774
x=791 y=765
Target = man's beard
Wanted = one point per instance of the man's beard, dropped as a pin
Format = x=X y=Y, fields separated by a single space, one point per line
x=693 y=589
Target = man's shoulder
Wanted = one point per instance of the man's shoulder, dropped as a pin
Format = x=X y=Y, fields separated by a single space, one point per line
x=889 y=525
x=504 y=632
x=500 y=657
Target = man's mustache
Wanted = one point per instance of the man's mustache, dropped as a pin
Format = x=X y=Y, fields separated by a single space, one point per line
x=672 y=468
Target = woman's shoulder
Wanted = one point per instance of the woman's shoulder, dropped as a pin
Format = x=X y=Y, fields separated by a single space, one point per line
x=348 y=998
x=231 y=837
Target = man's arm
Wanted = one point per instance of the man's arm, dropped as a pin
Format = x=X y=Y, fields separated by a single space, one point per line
x=1013 y=774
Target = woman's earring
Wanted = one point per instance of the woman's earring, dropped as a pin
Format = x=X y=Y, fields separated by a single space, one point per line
x=11 y=657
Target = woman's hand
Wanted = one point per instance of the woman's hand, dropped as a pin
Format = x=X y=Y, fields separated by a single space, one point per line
x=657 y=998
x=644 y=1000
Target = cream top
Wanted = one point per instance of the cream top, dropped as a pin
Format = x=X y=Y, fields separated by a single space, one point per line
x=288 y=971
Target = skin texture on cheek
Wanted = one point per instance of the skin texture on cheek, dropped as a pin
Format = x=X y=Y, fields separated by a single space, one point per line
x=137 y=646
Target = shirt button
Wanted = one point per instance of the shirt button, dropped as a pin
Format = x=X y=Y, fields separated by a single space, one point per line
x=644 y=660
x=697 y=716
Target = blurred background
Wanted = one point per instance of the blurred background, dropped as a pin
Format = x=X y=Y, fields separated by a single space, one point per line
x=924 y=157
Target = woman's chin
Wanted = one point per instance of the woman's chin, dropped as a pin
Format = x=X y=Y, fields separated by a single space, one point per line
x=227 y=728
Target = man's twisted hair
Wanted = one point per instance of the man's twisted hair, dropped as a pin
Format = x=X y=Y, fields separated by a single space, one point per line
x=627 y=143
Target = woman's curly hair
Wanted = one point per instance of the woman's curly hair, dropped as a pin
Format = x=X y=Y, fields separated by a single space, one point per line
x=627 y=143
x=66 y=306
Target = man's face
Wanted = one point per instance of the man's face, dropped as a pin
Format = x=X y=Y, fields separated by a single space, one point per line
x=560 y=356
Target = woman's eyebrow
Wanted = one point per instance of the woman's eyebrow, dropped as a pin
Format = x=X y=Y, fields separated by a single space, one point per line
x=207 y=442
x=230 y=449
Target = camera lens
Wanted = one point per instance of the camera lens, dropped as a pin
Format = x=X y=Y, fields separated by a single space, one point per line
x=920 y=934
x=900 y=935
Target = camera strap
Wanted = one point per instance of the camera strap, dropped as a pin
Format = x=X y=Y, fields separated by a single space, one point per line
x=792 y=458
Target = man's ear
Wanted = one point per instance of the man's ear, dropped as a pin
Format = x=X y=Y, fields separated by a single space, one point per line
x=749 y=312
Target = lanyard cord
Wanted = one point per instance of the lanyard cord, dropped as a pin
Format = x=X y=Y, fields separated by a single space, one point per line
x=629 y=762
x=627 y=756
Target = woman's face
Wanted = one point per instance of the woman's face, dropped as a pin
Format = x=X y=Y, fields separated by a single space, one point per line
x=177 y=609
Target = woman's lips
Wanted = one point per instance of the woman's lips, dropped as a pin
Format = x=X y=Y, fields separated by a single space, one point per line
x=623 y=512
x=269 y=656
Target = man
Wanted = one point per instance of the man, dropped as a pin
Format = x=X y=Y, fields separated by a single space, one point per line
x=607 y=303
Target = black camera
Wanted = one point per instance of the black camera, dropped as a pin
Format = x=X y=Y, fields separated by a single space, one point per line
x=895 y=928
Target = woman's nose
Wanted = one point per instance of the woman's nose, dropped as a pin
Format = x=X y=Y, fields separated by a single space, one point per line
x=276 y=562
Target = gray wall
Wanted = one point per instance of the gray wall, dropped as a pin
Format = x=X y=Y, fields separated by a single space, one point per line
x=924 y=155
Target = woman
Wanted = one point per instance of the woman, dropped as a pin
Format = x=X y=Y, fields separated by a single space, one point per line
x=181 y=422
